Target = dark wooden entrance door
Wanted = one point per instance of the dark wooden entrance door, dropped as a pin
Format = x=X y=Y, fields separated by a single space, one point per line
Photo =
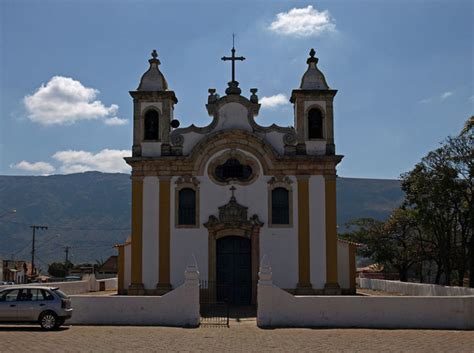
x=234 y=276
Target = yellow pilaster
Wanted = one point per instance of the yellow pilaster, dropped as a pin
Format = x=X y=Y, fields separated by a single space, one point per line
x=136 y=286
x=121 y=269
x=164 y=235
x=331 y=232
x=303 y=233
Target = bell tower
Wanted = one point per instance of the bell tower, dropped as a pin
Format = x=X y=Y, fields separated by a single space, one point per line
x=313 y=112
x=153 y=105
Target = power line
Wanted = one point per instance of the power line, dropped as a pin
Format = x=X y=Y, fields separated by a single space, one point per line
x=72 y=228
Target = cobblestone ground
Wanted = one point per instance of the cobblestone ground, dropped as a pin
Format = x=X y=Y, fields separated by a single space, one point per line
x=240 y=337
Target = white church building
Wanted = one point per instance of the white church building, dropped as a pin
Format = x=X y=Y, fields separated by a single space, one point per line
x=233 y=191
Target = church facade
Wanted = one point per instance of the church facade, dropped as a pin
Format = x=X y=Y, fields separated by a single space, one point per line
x=231 y=192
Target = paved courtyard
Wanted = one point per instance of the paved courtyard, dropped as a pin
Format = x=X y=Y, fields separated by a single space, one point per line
x=242 y=336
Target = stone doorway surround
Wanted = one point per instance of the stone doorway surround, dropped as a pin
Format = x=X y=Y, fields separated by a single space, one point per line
x=233 y=221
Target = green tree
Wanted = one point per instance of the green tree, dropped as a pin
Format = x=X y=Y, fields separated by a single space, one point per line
x=439 y=190
x=58 y=269
x=394 y=243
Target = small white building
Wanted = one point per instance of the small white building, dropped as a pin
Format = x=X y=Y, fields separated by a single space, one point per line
x=233 y=191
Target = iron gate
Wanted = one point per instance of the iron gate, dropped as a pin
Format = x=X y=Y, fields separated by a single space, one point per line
x=213 y=312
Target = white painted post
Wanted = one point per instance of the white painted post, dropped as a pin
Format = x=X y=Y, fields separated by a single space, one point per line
x=264 y=293
x=191 y=286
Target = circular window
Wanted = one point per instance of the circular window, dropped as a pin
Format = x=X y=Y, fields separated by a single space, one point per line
x=233 y=167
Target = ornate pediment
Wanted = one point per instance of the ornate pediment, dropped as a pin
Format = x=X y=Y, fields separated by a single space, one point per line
x=233 y=214
x=232 y=211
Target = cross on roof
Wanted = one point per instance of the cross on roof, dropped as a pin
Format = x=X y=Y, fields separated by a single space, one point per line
x=233 y=58
x=232 y=189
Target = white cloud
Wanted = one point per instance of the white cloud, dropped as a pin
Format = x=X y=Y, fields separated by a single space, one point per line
x=304 y=22
x=64 y=100
x=426 y=100
x=441 y=97
x=109 y=161
x=37 y=167
x=446 y=95
x=274 y=101
x=115 y=121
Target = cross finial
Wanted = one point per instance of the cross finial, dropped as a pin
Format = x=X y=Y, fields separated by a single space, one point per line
x=233 y=84
x=154 y=54
x=232 y=189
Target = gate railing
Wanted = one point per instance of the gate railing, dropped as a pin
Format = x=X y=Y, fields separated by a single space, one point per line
x=213 y=312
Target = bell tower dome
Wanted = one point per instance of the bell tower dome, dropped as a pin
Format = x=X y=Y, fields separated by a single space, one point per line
x=313 y=112
x=153 y=106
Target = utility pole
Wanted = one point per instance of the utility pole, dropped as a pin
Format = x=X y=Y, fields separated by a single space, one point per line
x=66 y=250
x=34 y=227
x=66 y=264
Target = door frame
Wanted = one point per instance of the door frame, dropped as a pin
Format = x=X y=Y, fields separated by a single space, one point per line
x=248 y=231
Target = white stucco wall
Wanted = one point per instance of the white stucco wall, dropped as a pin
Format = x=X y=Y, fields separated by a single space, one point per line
x=88 y=284
x=151 y=149
x=315 y=147
x=277 y=308
x=179 y=307
x=317 y=228
x=233 y=116
x=150 y=255
x=281 y=244
x=414 y=289
x=343 y=273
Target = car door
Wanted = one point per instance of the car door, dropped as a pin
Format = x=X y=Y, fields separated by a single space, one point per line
x=9 y=305
x=42 y=300
x=26 y=310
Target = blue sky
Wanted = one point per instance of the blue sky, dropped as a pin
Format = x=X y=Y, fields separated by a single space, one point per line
x=404 y=71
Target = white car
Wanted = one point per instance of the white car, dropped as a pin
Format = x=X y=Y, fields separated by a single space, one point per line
x=47 y=306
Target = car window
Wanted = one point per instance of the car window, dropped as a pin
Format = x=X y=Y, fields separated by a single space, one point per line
x=46 y=295
x=10 y=295
x=36 y=294
x=25 y=295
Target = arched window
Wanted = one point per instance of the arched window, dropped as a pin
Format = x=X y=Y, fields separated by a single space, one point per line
x=187 y=207
x=315 y=124
x=280 y=206
x=151 y=125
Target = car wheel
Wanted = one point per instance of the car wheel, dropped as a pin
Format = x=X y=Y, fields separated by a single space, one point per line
x=48 y=320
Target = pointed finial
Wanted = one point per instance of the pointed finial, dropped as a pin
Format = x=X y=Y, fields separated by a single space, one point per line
x=154 y=58
x=312 y=58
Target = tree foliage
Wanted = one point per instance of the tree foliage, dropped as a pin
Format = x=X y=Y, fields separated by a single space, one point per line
x=435 y=223
x=59 y=269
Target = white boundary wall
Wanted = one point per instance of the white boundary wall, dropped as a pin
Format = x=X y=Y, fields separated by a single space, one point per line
x=414 y=289
x=180 y=307
x=90 y=284
x=277 y=308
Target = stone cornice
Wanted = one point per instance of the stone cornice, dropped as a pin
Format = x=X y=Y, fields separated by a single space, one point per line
x=152 y=96
x=312 y=93
x=284 y=165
